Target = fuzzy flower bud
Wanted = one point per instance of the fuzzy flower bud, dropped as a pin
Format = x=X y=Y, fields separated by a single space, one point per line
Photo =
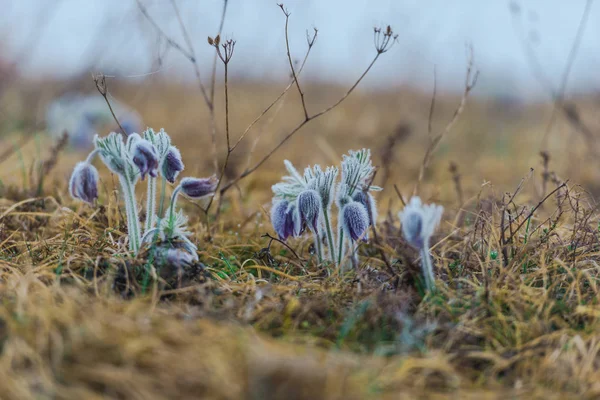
x=309 y=207
x=355 y=220
x=197 y=188
x=284 y=218
x=368 y=202
x=419 y=222
x=145 y=157
x=172 y=164
x=83 y=184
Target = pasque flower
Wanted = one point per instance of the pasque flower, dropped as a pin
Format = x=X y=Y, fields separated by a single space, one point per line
x=197 y=188
x=83 y=184
x=144 y=156
x=285 y=219
x=315 y=191
x=172 y=164
x=135 y=158
x=309 y=207
x=355 y=220
x=419 y=221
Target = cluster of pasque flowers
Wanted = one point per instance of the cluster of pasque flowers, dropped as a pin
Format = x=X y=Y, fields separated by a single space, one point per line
x=302 y=201
x=306 y=200
x=150 y=155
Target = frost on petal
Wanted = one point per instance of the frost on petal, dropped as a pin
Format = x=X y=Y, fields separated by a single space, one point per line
x=355 y=220
x=172 y=164
x=309 y=208
x=197 y=188
x=83 y=184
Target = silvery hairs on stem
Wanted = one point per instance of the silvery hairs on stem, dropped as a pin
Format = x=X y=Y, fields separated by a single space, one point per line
x=419 y=222
x=132 y=160
x=305 y=201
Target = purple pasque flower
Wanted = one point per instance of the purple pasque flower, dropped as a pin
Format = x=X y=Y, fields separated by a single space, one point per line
x=83 y=184
x=197 y=188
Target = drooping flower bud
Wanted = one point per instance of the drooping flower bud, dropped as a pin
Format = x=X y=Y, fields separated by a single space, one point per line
x=83 y=184
x=355 y=220
x=309 y=208
x=172 y=164
x=145 y=157
x=285 y=220
x=368 y=202
x=197 y=188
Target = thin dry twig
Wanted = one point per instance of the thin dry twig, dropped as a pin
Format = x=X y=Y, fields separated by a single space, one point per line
x=189 y=53
x=470 y=82
x=289 y=56
x=100 y=81
x=556 y=94
x=384 y=41
x=311 y=41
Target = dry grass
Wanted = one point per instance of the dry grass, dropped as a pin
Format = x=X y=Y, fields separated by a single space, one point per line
x=254 y=321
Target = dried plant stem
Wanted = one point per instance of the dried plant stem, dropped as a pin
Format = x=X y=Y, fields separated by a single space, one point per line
x=305 y=121
x=470 y=82
x=188 y=53
x=311 y=42
x=100 y=81
x=289 y=56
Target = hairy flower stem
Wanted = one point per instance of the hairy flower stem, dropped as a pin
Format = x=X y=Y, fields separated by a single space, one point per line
x=172 y=210
x=330 y=239
x=341 y=247
x=133 y=224
x=318 y=246
x=354 y=253
x=91 y=156
x=427 y=268
x=163 y=193
x=150 y=205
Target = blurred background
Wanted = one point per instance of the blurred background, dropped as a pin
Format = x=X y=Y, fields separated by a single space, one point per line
x=538 y=87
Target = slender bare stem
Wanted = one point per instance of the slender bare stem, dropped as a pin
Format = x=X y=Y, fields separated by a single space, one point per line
x=297 y=128
x=289 y=56
x=470 y=82
x=311 y=42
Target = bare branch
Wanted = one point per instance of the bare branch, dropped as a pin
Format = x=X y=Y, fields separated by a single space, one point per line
x=289 y=56
x=559 y=97
x=470 y=82
x=100 y=81
x=311 y=42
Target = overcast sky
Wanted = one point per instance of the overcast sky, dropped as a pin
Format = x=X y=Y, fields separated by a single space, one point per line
x=65 y=37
